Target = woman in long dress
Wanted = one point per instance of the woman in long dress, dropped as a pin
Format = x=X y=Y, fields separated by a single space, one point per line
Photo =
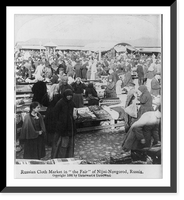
x=33 y=133
x=78 y=89
x=63 y=142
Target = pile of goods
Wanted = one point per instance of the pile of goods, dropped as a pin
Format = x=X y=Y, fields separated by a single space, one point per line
x=109 y=102
x=23 y=101
x=121 y=159
x=99 y=112
x=85 y=113
x=23 y=88
x=57 y=161
x=101 y=161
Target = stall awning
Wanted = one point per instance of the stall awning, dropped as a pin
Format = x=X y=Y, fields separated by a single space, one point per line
x=120 y=48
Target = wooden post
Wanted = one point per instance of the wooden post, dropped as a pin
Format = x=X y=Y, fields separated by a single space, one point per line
x=99 y=55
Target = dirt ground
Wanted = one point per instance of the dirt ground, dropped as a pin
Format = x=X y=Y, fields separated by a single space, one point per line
x=93 y=145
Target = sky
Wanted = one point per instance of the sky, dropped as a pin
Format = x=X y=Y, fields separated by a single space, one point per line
x=85 y=27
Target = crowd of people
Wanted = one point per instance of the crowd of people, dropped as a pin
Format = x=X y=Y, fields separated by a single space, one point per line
x=67 y=71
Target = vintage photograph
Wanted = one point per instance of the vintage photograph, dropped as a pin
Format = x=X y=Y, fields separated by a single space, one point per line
x=88 y=95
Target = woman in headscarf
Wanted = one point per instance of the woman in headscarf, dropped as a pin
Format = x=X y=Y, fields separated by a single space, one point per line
x=78 y=90
x=91 y=95
x=63 y=85
x=53 y=98
x=110 y=90
x=39 y=89
x=33 y=133
x=145 y=101
x=63 y=142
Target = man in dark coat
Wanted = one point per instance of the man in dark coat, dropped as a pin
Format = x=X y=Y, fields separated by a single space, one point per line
x=77 y=68
x=140 y=74
x=84 y=69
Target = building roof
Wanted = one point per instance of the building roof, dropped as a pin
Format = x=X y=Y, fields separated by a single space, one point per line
x=149 y=49
x=31 y=47
x=50 y=44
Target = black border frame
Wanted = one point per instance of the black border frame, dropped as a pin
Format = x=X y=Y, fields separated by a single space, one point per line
x=173 y=135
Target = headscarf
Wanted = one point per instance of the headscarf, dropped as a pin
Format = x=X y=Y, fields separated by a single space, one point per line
x=91 y=90
x=67 y=92
x=64 y=78
x=90 y=85
x=78 y=79
x=143 y=88
x=54 y=79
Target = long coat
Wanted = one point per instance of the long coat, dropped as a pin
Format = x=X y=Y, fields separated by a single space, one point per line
x=84 y=70
x=145 y=101
x=63 y=112
x=50 y=122
x=78 y=90
x=77 y=69
x=34 y=146
x=155 y=87
x=140 y=71
x=128 y=79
